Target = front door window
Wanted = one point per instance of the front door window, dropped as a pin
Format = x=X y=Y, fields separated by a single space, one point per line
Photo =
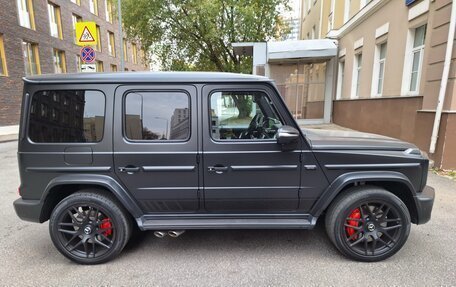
x=243 y=116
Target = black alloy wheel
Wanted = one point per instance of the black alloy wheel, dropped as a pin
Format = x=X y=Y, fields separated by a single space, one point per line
x=89 y=228
x=86 y=231
x=368 y=223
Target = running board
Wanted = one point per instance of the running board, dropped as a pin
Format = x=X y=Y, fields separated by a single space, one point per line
x=175 y=223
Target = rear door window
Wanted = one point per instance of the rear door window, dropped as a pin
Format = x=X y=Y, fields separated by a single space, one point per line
x=157 y=116
x=67 y=116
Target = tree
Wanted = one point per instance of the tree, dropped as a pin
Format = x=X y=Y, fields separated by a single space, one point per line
x=197 y=34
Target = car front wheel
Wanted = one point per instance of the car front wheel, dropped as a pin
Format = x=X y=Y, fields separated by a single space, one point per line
x=368 y=223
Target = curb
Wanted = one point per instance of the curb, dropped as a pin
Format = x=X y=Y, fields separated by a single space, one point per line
x=8 y=138
x=9 y=133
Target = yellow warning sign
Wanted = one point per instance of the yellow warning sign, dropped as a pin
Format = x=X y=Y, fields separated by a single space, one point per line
x=86 y=33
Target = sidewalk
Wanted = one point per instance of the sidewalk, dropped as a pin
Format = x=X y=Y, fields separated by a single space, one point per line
x=9 y=133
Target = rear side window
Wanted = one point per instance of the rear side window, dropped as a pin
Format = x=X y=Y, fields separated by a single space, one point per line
x=67 y=116
x=157 y=116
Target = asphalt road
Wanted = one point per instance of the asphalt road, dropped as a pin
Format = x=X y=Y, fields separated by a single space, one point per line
x=226 y=258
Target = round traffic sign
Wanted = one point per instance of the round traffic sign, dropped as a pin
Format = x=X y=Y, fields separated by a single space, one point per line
x=87 y=54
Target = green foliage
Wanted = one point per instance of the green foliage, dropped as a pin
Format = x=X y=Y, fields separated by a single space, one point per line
x=197 y=34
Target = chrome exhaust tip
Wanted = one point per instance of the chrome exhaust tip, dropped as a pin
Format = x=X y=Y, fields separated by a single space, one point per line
x=160 y=234
x=175 y=233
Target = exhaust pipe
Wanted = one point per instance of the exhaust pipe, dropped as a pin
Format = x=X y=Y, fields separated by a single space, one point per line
x=175 y=233
x=160 y=234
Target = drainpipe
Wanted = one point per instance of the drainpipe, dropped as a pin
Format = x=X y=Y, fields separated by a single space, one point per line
x=443 y=84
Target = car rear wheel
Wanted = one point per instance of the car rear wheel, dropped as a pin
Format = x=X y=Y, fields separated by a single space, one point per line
x=367 y=223
x=89 y=227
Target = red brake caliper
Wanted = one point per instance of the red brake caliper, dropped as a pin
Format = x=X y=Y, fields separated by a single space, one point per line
x=106 y=224
x=355 y=214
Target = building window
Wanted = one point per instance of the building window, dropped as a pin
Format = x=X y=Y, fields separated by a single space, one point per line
x=357 y=75
x=76 y=19
x=77 y=2
x=100 y=67
x=158 y=116
x=93 y=6
x=80 y=120
x=109 y=11
x=111 y=44
x=379 y=70
x=59 y=61
x=340 y=80
x=31 y=58
x=55 y=21
x=125 y=50
x=134 y=53
x=98 y=46
x=3 y=68
x=113 y=68
x=419 y=37
x=26 y=14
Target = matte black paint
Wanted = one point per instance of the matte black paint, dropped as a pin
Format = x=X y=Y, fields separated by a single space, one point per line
x=203 y=183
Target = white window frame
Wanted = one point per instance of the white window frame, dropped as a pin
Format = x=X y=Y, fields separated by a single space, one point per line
x=109 y=16
x=53 y=25
x=376 y=71
x=340 y=80
x=364 y=3
x=408 y=63
x=92 y=7
x=58 y=57
x=24 y=14
x=356 y=78
x=331 y=16
x=347 y=10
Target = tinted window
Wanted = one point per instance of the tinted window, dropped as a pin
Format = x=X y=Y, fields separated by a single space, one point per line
x=157 y=116
x=243 y=115
x=67 y=116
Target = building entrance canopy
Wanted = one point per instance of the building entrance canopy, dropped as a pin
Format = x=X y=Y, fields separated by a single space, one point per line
x=302 y=70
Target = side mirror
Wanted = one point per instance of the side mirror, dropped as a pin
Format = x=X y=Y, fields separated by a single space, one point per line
x=287 y=137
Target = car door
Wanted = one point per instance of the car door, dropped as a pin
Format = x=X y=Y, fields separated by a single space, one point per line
x=155 y=144
x=245 y=170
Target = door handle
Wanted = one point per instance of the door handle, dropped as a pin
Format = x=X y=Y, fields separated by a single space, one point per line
x=129 y=169
x=218 y=169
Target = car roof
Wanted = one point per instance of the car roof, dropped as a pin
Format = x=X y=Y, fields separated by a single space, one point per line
x=144 y=77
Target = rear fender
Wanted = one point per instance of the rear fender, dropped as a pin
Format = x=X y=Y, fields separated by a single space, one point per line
x=104 y=181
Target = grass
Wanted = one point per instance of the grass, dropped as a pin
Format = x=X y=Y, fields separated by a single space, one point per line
x=445 y=172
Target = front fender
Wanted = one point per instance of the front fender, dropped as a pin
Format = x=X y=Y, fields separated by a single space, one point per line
x=351 y=177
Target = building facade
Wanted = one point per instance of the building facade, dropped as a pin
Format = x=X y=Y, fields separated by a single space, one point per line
x=391 y=56
x=38 y=37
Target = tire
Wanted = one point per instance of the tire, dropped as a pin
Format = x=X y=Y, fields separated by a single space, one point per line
x=368 y=223
x=90 y=227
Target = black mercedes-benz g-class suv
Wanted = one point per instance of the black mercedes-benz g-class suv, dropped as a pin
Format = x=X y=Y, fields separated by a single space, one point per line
x=101 y=154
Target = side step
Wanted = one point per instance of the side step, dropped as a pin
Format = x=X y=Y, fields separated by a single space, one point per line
x=160 y=223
